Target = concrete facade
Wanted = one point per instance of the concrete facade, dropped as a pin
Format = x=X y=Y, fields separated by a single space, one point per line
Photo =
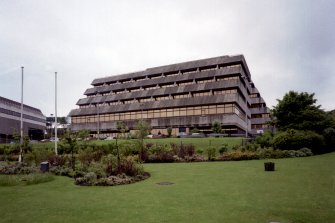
x=183 y=96
x=34 y=122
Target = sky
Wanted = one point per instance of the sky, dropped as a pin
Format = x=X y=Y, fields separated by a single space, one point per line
x=288 y=44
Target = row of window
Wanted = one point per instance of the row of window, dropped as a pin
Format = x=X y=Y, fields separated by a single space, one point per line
x=214 y=67
x=259 y=126
x=163 y=113
x=266 y=115
x=169 y=85
x=168 y=97
x=18 y=114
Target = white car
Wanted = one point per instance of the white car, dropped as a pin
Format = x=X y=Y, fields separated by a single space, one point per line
x=109 y=138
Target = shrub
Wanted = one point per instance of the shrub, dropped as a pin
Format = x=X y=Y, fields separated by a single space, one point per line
x=265 y=140
x=329 y=136
x=211 y=153
x=37 y=156
x=128 y=148
x=239 y=155
x=223 y=148
x=17 y=168
x=61 y=170
x=294 y=140
x=189 y=149
x=57 y=160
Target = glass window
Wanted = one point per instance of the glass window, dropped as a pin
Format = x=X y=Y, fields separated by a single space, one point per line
x=176 y=112
x=212 y=109
x=163 y=113
x=189 y=111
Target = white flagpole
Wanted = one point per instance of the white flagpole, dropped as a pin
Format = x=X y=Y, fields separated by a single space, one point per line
x=21 y=119
x=56 y=139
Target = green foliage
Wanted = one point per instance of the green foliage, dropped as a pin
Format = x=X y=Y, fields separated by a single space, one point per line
x=294 y=140
x=265 y=140
x=211 y=153
x=122 y=128
x=223 y=148
x=35 y=178
x=216 y=127
x=169 y=131
x=143 y=129
x=298 y=111
x=195 y=130
x=267 y=153
x=329 y=135
x=37 y=156
x=83 y=133
x=205 y=192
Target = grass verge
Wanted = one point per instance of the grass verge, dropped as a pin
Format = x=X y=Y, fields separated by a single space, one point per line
x=301 y=190
x=30 y=179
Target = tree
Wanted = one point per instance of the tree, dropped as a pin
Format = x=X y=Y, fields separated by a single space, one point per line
x=216 y=127
x=122 y=128
x=169 y=131
x=299 y=111
x=143 y=129
x=83 y=133
x=70 y=145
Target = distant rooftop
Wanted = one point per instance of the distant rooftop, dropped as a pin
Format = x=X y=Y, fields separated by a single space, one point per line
x=18 y=105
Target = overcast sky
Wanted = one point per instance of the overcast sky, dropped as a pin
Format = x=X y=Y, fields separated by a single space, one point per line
x=288 y=45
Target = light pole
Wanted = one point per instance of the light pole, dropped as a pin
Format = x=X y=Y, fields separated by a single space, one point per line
x=21 y=118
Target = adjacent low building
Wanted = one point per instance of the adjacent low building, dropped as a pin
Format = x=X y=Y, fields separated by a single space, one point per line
x=34 y=123
x=182 y=96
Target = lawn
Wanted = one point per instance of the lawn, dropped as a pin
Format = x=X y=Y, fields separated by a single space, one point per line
x=300 y=190
x=199 y=143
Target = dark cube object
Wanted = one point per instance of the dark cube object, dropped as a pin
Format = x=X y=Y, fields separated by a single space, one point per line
x=269 y=166
x=44 y=167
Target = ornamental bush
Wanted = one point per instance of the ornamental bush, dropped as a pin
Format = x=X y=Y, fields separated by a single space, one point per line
x=295 y=139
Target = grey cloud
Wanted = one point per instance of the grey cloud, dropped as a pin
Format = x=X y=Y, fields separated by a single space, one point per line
x=288 y=44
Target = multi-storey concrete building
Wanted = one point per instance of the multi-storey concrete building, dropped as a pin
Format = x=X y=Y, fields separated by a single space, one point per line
x=10 y=113
x=182 y=96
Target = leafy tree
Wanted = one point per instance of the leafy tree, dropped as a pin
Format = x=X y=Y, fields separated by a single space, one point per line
x=265 y=140
x=69 y=144
x=329 y=135
x=216 y=127
x=122 y=128
x=169 y=131
x=195 y=130
x=83 y=133
x=299 y=111
x=143 y=129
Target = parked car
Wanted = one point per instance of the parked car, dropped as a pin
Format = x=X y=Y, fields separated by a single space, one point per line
x=198 y=135
x=109 y=138
x=52 y=139
x=182 y=134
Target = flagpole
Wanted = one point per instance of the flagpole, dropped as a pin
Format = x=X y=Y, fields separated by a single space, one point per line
x=21 y=118
x=56 y=139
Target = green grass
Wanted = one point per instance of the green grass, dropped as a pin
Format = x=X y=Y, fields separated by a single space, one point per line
x=301 y=190
x=30 y=179
x=199 y=143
